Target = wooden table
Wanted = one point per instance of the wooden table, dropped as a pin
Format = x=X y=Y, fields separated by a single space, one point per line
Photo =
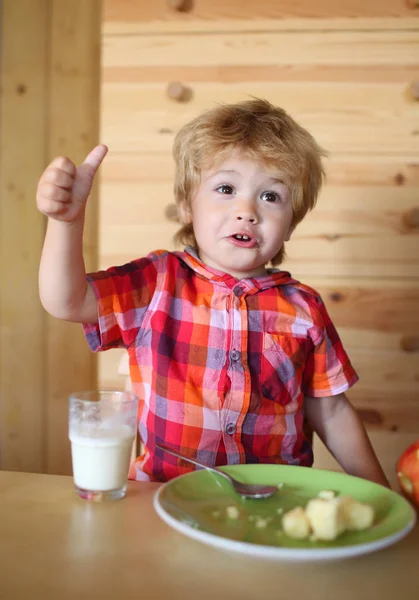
x=55 y=546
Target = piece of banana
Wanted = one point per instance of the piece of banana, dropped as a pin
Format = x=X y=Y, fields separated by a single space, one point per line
x=296 y=524
x=326 y=517
x=358 y=516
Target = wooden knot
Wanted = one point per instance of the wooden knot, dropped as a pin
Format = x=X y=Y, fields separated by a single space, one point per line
x=399 y=179
x=178 y=91
x=180 y=5
x=414 y=89
x=410 y=343
x=411 y=218
x=332 y=237
x=412 y=3
x=171 y=213
x=336 y=297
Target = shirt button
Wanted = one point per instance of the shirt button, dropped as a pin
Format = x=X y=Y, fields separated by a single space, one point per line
x=238 y=290
x=234 y=355
x=231 y=429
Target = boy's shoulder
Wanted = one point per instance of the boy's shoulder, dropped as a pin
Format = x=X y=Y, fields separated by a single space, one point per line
x=157 y=261
x=164 y=257
x=157 y=255
x=305 y=290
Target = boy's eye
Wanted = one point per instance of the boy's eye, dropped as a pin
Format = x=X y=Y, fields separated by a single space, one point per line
x=270 y=197
x=225 y=189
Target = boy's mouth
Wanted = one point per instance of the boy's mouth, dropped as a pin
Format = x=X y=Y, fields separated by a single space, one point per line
x=244 y=240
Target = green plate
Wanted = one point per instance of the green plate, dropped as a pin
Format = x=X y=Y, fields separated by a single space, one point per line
x=195 y=504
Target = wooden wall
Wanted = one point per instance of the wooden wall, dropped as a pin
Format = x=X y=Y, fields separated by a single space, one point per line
x=49 y=105
x=349 y=72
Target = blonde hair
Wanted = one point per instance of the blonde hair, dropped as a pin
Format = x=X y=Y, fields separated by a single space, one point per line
x=258 y=131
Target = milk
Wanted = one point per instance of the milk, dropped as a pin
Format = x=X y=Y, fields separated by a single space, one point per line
x=101 y=458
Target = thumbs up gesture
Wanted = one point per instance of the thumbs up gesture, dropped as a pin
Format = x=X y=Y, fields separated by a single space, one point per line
x=64 y=188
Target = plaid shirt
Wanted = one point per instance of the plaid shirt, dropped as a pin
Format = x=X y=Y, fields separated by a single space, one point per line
x=220 y=365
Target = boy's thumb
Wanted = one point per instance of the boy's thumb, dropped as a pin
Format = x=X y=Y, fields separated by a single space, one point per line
x=94 y=159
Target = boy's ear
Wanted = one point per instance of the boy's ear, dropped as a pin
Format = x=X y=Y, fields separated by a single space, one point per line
x=185 y=213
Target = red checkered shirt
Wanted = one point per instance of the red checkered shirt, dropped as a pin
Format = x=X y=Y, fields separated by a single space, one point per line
x=220 y=365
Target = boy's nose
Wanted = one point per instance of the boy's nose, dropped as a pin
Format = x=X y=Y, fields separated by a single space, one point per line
x=246 y=212
x=247 y=218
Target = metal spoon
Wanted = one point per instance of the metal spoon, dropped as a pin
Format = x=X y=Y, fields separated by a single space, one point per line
x=249 y=490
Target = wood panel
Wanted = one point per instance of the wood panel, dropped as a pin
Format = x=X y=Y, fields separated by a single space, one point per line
x=372 y=305
x=345 y=71
x=135 y=16
x=350 y=118
x=49 y=106
x=264 y=48
x=342 y=170
x=363 y=258
x=143 y=10
x=74 y=70
x=22 y=154
x=226 y=73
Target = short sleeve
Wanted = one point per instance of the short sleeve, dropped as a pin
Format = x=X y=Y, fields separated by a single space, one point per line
x=123 y=295
x=328 y=370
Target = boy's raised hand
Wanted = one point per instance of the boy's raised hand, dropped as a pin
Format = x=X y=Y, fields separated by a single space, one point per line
x=64 y=188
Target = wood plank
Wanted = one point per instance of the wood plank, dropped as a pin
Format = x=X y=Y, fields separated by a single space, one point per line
x=22 y=155
x=143 y=10
x=388 y=386
x=360 y=48
x=74 y=125
x=343 y=170
x=353 y=257
x=180 y=27
x=371 y=306
x=358 y=212
x=133 y=16
x=241 y=73
x=347 y=118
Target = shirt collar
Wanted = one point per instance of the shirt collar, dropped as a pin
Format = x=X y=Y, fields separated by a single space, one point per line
x=273 y=277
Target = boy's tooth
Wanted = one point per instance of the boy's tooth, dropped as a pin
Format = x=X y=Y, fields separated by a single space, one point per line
x=239 y=236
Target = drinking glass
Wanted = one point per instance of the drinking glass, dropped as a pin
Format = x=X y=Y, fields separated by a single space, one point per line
x=102 y=428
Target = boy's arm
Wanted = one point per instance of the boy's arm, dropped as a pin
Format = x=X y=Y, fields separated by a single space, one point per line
x=63 y=289
x=339 y=427
x=62 y=195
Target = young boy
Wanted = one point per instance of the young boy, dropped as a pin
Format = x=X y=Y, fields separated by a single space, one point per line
x=227 y=355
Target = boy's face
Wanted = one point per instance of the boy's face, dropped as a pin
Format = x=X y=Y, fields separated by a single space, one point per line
x=241 y=215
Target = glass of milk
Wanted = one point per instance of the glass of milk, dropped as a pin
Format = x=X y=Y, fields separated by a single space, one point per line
x=102 y=428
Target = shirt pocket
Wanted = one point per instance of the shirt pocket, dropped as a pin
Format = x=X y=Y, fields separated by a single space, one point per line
x=284 y=357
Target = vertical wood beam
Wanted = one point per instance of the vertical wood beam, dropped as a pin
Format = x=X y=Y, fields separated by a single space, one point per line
x=49 y=105
x=23 y=119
